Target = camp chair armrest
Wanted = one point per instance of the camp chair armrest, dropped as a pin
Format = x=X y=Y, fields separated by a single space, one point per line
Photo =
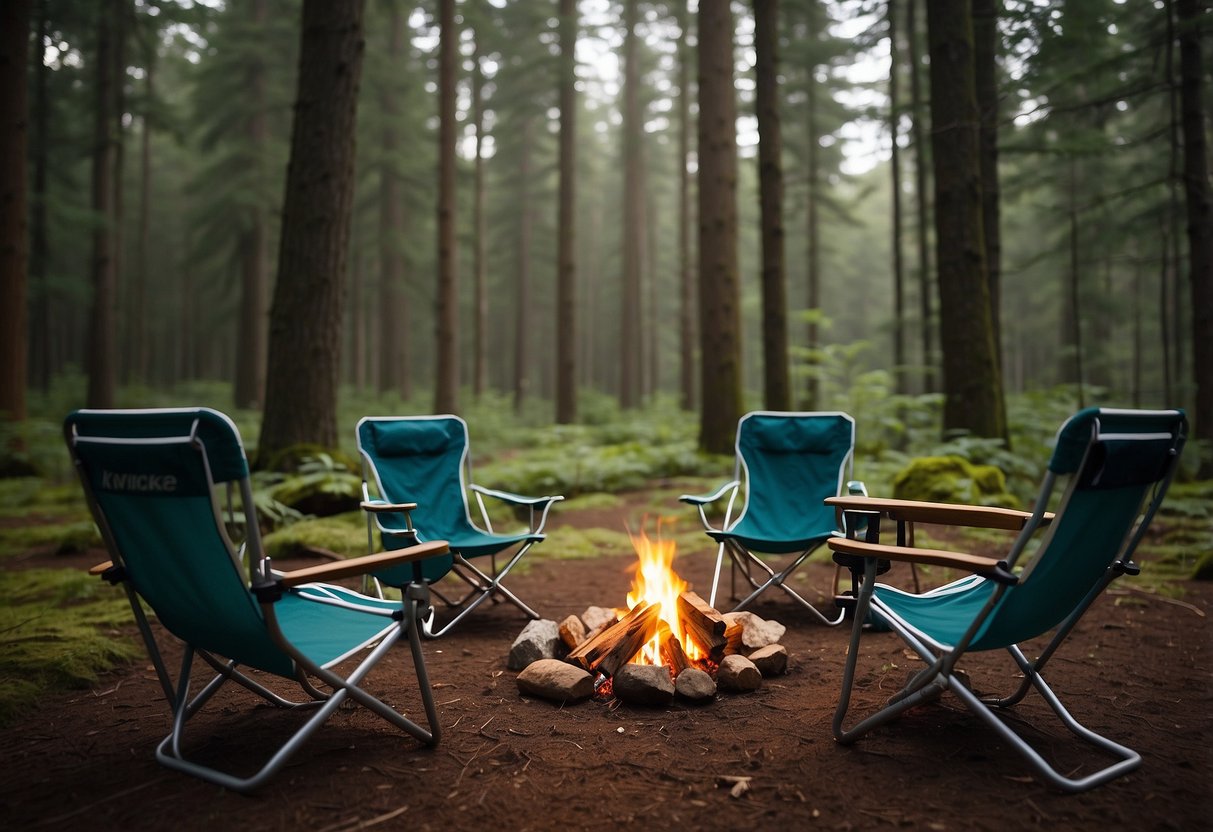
x=352 y=567
x=987 y=567
x=704 y=499
x=949 y=514
x=515 y=499
x=100 y=569
x=380 y=506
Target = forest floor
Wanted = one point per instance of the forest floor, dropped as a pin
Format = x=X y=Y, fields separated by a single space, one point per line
x=1138 y=668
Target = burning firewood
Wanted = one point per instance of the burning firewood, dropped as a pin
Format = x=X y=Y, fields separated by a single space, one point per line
x=616 y=645
x=672 y=654
x=704 y=625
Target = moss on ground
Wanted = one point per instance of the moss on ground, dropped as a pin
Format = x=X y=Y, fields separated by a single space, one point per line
x=59 y=628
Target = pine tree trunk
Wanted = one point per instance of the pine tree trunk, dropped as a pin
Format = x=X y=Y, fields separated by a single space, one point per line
x=972 y=382
x=391 y=306
x=812 y=236
x=1200 y=216
x=776 y=392
x=686 y=277
x=630 y=359
x=14 y=223
x=446 y=375
x=899 y=315
x=566 y=265
x=921 y=193
x=719 y=293
x=121 y=31
x=99 y=357
x=522 y=292
x=138 y=331
x=480 y=302
x=985 y=43
x=43 y=324
x=309 y=293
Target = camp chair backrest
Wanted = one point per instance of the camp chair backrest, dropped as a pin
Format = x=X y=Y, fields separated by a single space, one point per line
x=150 y=477
x=1120 y=463
x=792 y=461
x=420 y=460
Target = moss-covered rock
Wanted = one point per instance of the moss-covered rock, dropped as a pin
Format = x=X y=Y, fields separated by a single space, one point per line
x=953 y=479
x=320 y=494
x=296 y=457
x=344 y=534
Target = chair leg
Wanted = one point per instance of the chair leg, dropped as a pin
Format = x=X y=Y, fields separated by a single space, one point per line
x=415 y=608
x=716 y=575
x=926 y=686
x=779 y=579
x=491 y=585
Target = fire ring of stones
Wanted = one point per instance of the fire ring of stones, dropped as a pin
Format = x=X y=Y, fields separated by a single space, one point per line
x=636 y=659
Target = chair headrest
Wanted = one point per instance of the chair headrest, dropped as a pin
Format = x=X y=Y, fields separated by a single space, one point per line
x=1137 y=442
x=814 y=433
x=217 y=433
x=412 y=437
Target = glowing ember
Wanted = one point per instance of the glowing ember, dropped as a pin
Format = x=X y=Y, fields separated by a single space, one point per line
x=656 y=582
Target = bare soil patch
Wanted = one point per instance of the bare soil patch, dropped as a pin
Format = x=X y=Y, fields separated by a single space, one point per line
x=1137 y=668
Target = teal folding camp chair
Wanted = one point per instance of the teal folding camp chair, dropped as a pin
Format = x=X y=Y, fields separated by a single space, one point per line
x=424 y=460
x=786 y=465
x=156 y=482
x=1118 y=464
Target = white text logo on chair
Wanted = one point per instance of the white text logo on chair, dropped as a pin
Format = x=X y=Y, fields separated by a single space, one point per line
x=150 y=483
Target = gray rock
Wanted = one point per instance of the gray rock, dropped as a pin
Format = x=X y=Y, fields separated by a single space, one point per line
x=738 y=674
x=695 y=685
x=595 y=618
x=538 y=640
x=771 y=660
x=643 y=684
x=756 y=632
x=556 y=680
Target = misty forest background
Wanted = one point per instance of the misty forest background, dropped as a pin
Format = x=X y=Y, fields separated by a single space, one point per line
x=601 y=231
x=928 y=214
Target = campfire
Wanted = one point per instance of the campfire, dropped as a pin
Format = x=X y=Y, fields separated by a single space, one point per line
x=667 y=641
x=664 y=624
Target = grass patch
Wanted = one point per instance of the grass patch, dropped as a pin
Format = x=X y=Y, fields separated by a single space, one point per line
x=59 y=629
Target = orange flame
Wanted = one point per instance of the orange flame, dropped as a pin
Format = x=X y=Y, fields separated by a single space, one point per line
x=656 y=582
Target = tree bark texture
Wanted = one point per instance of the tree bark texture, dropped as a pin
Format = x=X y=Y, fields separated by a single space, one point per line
x=972 y=383
x=630 y=358
x=100 y=356
x=719 y=293
x=566 y=264
x=985 y=50
x=522 y=291
x=446 y=374
x=309 y=293
x=14 y=195
x=812 y=236
x=777 y=394
x=922 y=152
x=899 y=292
x=1193 y=15
x=43 y=359
x=480 y=300
x=392 y=309
x=686 y=277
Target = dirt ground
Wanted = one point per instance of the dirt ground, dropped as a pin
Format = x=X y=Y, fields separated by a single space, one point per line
x=1137 y=668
